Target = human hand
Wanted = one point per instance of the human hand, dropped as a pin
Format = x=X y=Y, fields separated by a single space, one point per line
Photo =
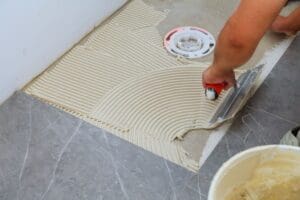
x=283 y=25
x=214 y=75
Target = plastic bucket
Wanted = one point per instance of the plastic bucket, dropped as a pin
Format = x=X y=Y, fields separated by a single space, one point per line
x=240 y=168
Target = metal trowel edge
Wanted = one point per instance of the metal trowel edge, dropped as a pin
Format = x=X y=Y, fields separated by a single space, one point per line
x=237 y=96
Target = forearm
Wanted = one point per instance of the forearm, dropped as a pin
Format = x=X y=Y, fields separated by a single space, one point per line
x=243 y=31
x=233 y=48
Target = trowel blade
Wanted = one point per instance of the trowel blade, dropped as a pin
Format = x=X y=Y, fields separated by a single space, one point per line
x=236 y=97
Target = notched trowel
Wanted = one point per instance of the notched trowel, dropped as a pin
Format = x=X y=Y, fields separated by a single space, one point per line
x=237 y=96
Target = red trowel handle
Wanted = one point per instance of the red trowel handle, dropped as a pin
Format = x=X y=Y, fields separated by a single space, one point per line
x=212 y=91
x=218 y=88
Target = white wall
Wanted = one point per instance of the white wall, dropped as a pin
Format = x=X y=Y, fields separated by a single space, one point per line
x=34 y=33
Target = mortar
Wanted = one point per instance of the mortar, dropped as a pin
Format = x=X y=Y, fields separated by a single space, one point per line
x=240 y=168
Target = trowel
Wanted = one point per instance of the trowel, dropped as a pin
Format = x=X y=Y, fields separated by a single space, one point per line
x=236 y=96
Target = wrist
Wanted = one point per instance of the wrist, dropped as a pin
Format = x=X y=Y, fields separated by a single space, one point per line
x=220 y=70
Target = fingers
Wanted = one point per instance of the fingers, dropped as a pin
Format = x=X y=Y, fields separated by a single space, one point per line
x=212 y=76
x=283 y=25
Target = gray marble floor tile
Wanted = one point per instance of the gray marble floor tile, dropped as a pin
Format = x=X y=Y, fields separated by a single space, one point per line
x=44 y=152
x=85 y=169
x=280 y=93
x=15 y=121
x=47 y=154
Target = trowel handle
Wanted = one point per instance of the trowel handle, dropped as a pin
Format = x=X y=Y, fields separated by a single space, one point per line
x=212 y=91
x=218 y=87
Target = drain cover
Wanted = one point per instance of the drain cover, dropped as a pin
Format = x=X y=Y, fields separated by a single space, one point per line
x=189 y=42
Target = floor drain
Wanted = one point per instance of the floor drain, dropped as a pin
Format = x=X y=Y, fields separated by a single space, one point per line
x=189 y=42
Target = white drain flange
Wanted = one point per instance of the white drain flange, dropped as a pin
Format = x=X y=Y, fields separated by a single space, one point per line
x=189 y=42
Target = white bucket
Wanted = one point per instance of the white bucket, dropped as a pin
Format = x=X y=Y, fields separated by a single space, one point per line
x=240 y=168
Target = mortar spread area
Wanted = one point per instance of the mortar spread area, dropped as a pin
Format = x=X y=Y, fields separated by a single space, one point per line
x=120 y=78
